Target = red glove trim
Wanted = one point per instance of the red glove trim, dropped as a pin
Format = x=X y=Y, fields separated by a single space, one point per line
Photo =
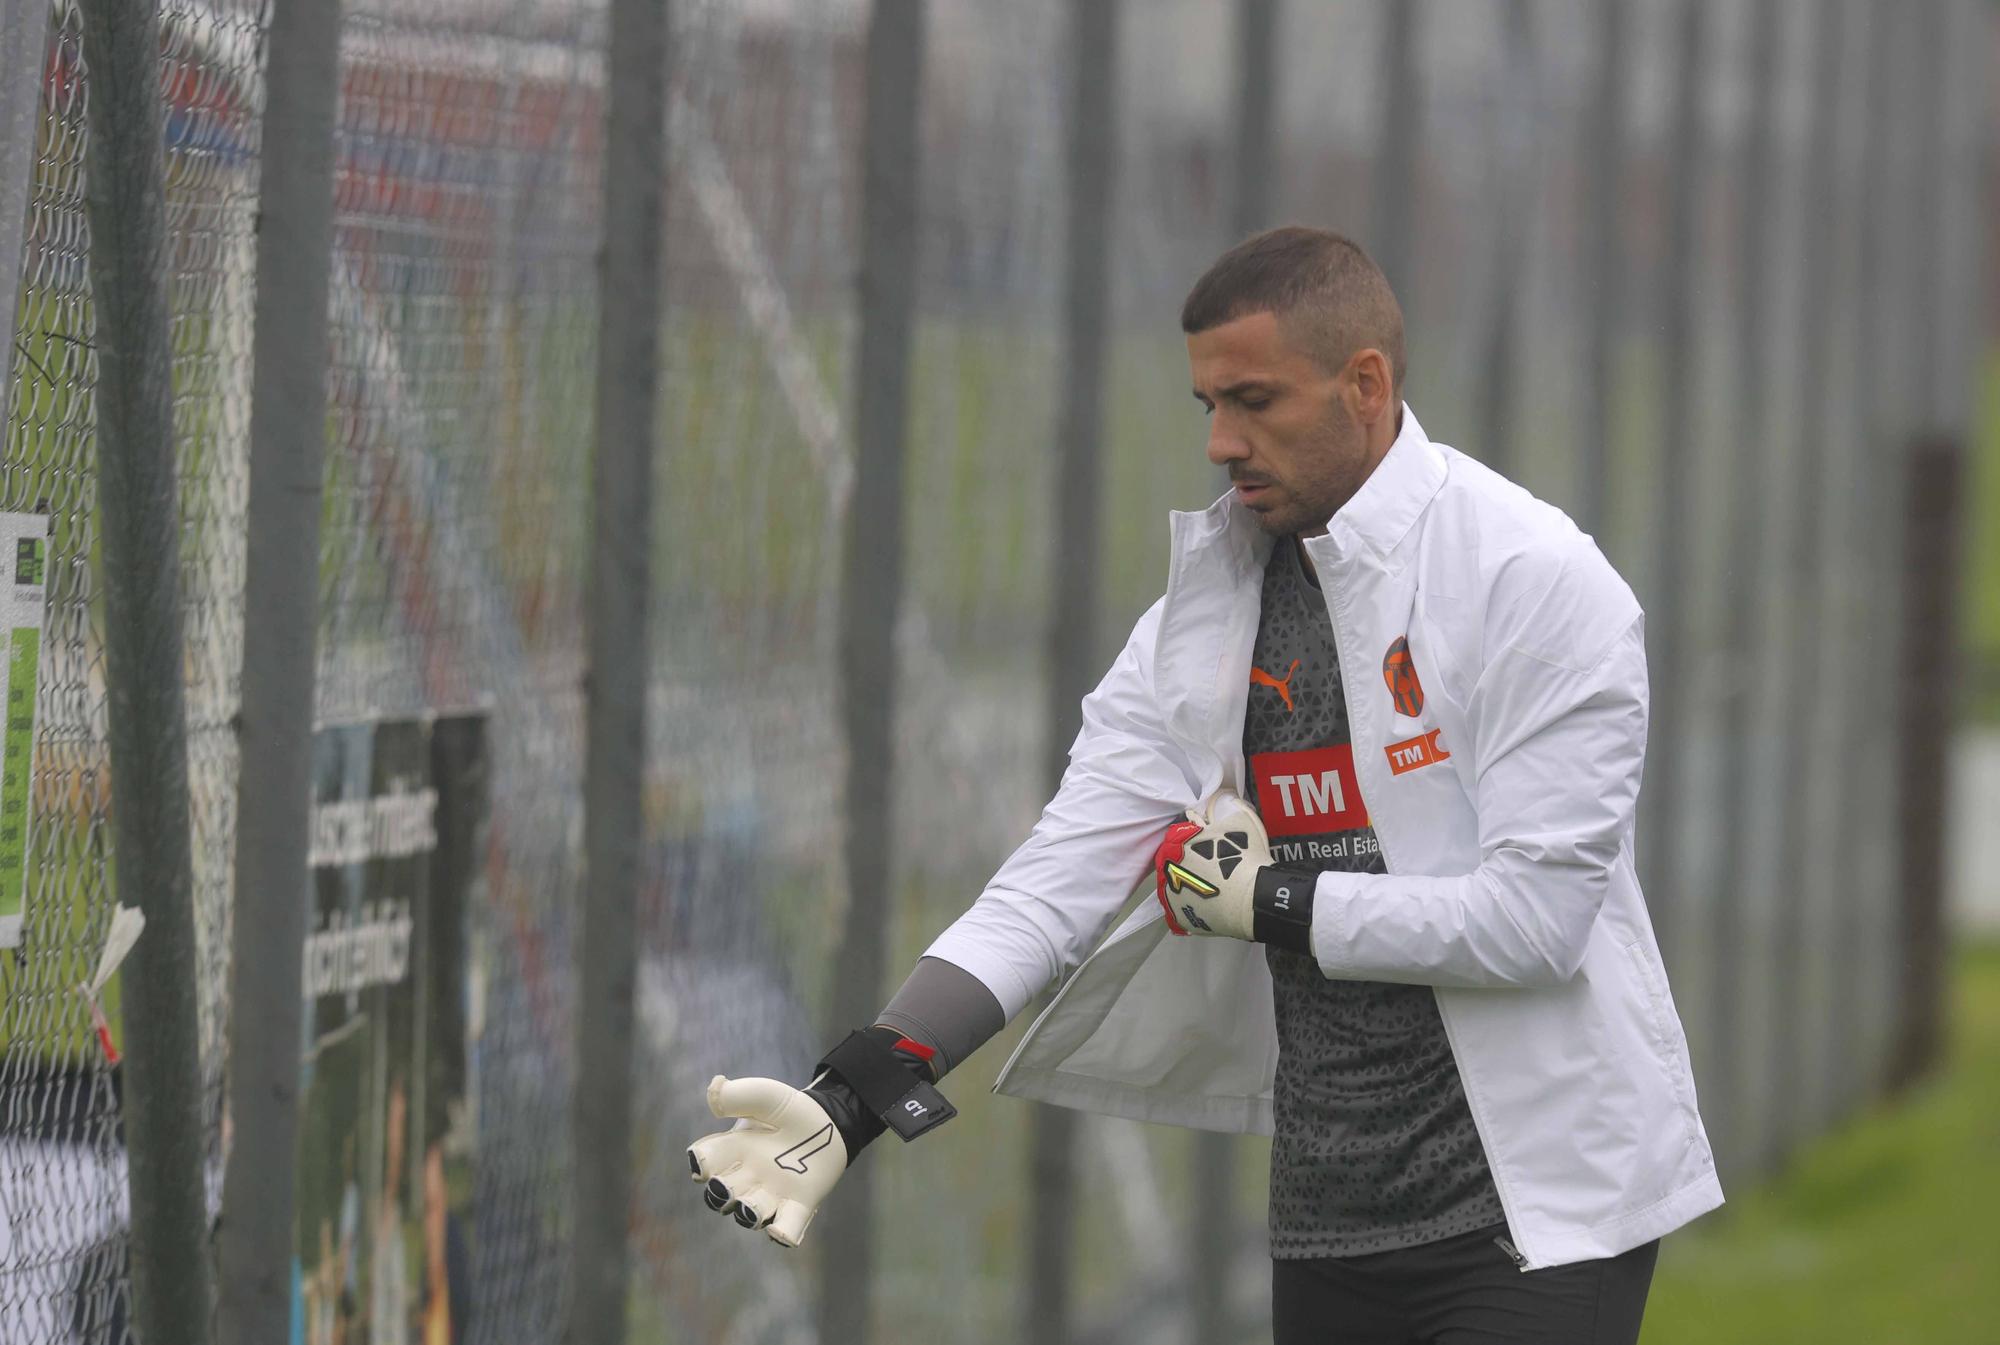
x=1170 y=851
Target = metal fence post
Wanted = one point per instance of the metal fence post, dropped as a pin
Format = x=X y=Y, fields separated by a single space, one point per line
x=1392 y=180
x=1512 y=132
x=281 y=613
x=1076 y=576
x=628 y=372
x=1801 y=564
x=1742 y=530
x=1667 y=618
x=1963 y=125
x=24 y=55
x=140 y=514
x=1934 y=471
x=1863 y=511
x=871 y=598
x=1883 y=414
x=1603 y=324
x=1926 y=131
x=1257 y=129
x=1214 y=1231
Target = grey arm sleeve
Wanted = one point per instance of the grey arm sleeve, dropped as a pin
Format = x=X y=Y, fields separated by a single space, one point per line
x=946 y=1008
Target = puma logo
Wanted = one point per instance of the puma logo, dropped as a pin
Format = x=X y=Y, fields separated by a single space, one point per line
x=1281 y=685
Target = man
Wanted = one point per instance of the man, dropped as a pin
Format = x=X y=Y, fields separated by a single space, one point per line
x=1379 y=744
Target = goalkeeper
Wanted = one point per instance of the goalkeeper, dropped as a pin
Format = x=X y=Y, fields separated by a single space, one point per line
x=1379 y=746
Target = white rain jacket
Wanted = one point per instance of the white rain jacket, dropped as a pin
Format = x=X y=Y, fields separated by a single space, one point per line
x=1504 y=808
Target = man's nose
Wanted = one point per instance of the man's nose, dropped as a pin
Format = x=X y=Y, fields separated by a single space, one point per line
x=1224 y=444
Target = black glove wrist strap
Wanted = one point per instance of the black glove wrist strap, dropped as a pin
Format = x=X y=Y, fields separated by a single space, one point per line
x=1282 y=908
x=889 y=1082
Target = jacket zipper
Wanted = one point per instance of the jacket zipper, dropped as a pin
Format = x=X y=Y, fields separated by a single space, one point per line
x=1344 y=651
x=1235 y=768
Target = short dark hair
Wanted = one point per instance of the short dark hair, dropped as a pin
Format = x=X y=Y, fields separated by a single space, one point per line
x=1319 y=282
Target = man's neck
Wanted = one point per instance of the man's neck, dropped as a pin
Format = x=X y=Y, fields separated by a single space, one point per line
x=1298 y=541
x=1299 y=538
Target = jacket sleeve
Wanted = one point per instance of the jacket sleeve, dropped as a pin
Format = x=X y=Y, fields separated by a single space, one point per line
x=1559 y=752
x=1058 y=893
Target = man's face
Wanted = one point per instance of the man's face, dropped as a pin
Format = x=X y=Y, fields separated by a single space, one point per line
x=1279 y=422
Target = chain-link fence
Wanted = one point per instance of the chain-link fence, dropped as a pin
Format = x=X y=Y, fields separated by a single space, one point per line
x=1695 y=270
x=63 y=1179
x=462 y=339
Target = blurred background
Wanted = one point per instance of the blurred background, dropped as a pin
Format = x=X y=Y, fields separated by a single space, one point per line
x=1714 y=276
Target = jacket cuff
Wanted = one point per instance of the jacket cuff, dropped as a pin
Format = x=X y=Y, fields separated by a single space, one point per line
x=1332 y=897
x=989 y=968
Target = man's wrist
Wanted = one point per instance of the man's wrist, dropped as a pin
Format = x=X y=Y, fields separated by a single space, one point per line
x=1281 y=908
x=856 y=1126
x=861 y=1080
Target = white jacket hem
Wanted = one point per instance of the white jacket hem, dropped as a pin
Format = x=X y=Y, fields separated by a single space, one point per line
x=1546 y=1247
x=1061 y=1088
x=1543 y=1245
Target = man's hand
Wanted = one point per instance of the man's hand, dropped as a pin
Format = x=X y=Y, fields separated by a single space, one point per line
x=778 y=1163
x=1213 y=874
x=790 y=1145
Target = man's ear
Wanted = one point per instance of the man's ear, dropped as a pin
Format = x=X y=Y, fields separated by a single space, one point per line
x=1370 y=387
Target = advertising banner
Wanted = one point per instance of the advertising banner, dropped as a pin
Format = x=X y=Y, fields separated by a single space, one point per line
x=24 y=553
x=390 y=1038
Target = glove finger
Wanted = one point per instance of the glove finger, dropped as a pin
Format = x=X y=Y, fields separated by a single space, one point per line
x=1223 y=804
x=788 y=1228
x=717 y=1196
x=753 y=1207
x=750 y=1099
x=709 y=1157
x=1234 y=813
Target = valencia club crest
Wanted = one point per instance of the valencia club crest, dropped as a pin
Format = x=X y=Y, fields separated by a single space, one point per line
x=1401 y=675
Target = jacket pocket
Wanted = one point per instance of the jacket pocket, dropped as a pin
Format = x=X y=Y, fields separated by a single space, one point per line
x=1651 y=978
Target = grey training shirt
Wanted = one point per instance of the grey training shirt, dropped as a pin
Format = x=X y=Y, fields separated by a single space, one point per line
x=1375 y=1147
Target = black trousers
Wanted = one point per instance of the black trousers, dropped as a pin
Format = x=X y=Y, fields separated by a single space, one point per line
x=1459 y=1291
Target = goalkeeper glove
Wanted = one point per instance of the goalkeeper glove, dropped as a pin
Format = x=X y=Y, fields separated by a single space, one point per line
x=790 y=1145
x=1213 y=874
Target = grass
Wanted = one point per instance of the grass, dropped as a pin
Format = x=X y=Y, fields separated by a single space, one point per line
x=1882 y=1233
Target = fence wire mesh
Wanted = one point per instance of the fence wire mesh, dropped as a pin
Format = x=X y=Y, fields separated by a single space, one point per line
x=742 y=896
x=61 y=1173
x=464 y=302
x=462 y=320
x=61 y=1161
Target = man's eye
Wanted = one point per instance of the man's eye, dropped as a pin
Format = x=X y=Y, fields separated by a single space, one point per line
x=1253 y=403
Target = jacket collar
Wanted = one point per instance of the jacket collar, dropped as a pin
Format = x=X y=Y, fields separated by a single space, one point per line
x=1390 y=501
x=1376 y=520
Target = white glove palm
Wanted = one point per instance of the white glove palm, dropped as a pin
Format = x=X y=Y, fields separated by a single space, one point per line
x=776 y=1165
x=1206 y=870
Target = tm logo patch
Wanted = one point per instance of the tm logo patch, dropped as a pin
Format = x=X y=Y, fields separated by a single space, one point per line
x=1415 y=753
x=1306 y=793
